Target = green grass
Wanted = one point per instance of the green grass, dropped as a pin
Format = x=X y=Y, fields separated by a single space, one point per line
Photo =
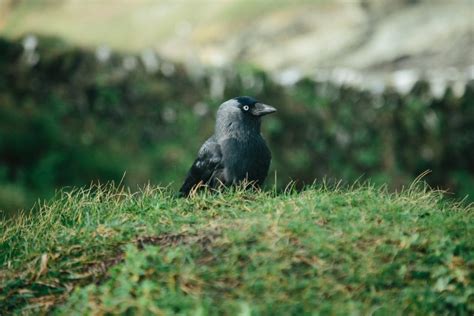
x=358 y=250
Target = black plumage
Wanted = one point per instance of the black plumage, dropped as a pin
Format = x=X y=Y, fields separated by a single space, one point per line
x=236 y=152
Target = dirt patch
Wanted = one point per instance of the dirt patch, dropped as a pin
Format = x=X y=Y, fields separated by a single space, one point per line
x=203 y=239
x=98 y=269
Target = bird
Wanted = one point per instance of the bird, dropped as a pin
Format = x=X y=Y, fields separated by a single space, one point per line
x=236 y=152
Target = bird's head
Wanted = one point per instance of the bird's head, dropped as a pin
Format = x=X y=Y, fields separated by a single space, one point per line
x=241 y=114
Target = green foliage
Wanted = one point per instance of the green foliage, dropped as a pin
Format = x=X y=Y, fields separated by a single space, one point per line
x=71 y=120
x=323 y=250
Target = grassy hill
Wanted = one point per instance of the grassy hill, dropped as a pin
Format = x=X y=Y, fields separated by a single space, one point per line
x=357 y=250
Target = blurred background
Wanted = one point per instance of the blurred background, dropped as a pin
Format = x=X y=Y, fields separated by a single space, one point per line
x=99 y=90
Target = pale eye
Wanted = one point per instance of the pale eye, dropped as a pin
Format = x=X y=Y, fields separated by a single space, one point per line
x=246 y=107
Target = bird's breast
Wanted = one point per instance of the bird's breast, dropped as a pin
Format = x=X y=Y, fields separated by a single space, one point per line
x=245 y=158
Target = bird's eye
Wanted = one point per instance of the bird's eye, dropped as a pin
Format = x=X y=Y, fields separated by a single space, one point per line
x=246 y=107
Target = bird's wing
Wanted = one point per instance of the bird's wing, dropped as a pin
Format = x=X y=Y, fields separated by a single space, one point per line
x=208 y=161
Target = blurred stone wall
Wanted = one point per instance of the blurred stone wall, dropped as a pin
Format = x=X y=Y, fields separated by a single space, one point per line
x=368 y=43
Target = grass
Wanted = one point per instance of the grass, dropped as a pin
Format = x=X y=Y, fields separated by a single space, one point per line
x=358 y=250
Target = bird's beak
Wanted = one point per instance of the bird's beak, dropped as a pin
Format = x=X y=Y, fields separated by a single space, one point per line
x=261 y=109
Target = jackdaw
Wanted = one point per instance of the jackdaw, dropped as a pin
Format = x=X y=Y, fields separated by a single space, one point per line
x=236 y=152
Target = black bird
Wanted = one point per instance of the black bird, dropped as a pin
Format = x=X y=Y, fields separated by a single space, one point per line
x=236 y=152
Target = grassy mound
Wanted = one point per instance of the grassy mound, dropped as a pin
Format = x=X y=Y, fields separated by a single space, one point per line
x=330 y=251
